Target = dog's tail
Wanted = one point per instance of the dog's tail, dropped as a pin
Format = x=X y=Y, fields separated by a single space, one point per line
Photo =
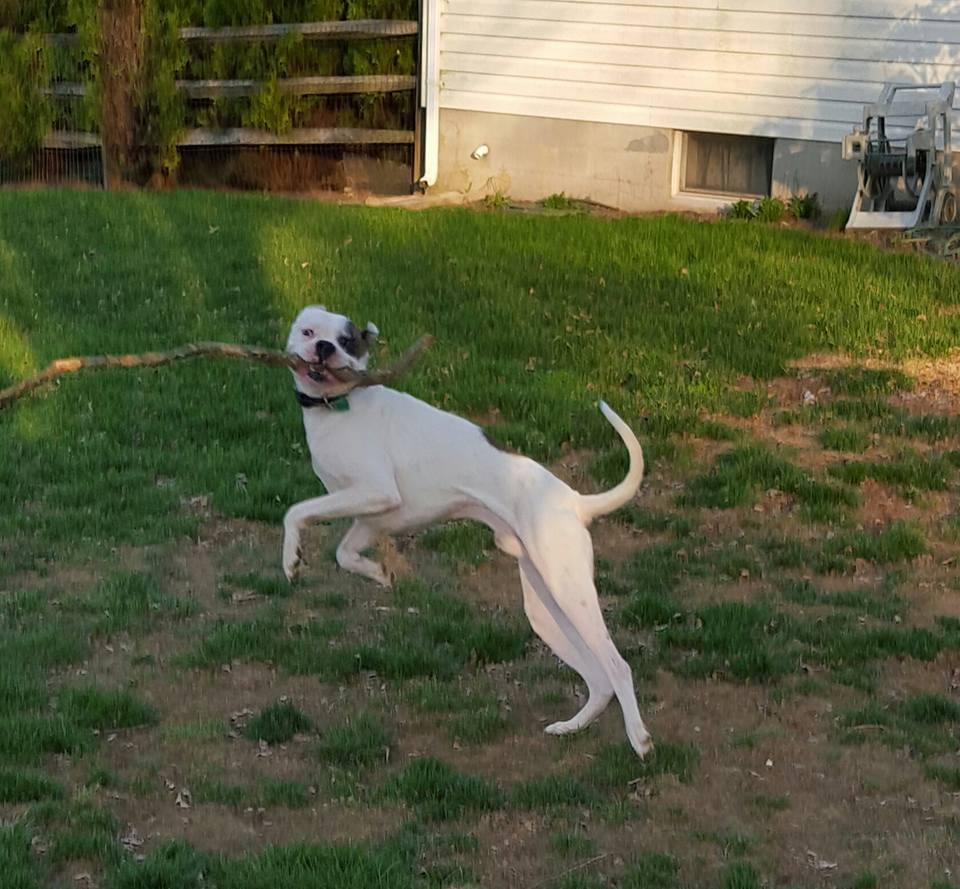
x=593 y=505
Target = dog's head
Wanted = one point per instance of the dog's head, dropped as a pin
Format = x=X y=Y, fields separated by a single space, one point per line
x=331 y=340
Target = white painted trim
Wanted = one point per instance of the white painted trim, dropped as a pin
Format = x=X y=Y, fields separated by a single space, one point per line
x=676 y=168
x=430 y=91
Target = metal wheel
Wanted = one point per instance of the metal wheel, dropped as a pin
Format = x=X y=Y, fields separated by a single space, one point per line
x=874 y=187
x=948 y=208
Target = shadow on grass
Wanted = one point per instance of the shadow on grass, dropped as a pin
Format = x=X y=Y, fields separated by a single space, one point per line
x=535 y=318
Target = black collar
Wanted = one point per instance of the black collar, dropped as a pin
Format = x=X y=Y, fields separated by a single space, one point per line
x=337 y=403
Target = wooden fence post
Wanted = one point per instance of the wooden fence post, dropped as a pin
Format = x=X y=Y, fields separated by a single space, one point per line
x=121 y=81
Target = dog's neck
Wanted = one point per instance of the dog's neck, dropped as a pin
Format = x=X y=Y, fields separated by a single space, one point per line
x=337 y=403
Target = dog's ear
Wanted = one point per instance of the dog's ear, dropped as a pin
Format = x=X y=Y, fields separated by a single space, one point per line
x=370 y=332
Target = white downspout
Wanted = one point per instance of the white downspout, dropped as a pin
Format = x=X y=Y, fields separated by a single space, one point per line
x=430 y=91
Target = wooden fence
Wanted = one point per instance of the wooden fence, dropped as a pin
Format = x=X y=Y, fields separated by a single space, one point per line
x=365 y=29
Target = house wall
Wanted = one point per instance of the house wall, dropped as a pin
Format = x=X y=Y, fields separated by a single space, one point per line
x=649 y=68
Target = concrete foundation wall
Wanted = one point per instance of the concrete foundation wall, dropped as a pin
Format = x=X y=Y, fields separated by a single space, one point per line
x=532 y=157
x=801 y=166
x=628 y=167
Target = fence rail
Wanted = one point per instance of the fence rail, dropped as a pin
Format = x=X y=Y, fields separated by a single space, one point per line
x=71 y=139
x=300 y=136
x=300 y=86
x=292 y=86
x=66 y=140
x=358 y=29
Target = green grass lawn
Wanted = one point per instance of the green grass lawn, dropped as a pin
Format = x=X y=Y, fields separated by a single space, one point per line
x=535 y=318
x=784 y=586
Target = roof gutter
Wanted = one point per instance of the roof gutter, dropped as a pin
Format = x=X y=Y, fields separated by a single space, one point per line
x=430 y=91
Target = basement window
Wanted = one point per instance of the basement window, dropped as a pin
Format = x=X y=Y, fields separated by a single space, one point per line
x=716 y=163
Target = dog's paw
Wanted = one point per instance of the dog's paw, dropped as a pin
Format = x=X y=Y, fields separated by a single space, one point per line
x=566 y=727
x=642 y=744
x=292 y=570
x=292 y=558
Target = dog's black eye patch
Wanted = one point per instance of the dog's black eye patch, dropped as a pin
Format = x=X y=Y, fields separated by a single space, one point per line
x=351 y=342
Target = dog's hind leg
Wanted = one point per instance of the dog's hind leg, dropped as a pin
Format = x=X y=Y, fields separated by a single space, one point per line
x=361 y=536
x=562 y=553
x=570 y=649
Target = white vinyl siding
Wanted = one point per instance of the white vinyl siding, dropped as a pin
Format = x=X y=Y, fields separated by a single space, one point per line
x=754 y=67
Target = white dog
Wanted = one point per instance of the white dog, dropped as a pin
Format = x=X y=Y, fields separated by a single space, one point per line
x=395 y=464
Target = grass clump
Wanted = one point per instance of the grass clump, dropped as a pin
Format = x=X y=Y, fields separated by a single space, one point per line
x=896 y=542
x=130 y=602
x=860 y=382
x=27 y=737
x=739 y=474
x=278 y=723
x=948 y=776
x=431 y=634
x=652 y=870
x=197 y=731
x=926 y=724
x=96 y=708
x=559 y=201
x=573 y=845
x=20 y=786
x=617 y=765
x=173 y=864
x=655 y=521
x=754 y=642
x=844 y=438
x=78 y=830
x=433 y=696
x=930 y=427
x=479 y=726
x=910 y=472
x=356 y=743
x=740 y=640
x=740 y=875
x=883 y=607
x=439 y=637
x=768 y=803
x=731 y=845
x=438 y=792
x=268 y=585
x=870 y=409
x=284 y=792
x=461 y=543
x=266 y=638
x=20 y=867
x=551 y=792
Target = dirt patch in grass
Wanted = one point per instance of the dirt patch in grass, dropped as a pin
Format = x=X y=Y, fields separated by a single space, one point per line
x=217 y=828
x=770 y=781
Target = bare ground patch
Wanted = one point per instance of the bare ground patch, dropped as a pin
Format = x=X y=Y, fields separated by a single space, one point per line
x=774 y=784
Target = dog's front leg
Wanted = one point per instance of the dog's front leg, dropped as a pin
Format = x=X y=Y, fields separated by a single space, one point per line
x=350 y=502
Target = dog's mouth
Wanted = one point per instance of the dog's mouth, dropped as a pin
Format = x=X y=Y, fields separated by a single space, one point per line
x=318 y=372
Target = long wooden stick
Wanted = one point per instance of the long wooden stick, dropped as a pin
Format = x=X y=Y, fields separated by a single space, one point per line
x=349 y=378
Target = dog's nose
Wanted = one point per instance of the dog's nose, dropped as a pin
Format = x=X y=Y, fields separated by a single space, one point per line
x=325 y=349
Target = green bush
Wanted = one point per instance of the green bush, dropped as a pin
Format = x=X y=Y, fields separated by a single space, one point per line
x=26 y=114
x=27 y=63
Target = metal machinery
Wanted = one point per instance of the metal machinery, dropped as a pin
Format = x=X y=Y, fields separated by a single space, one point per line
x=905 y=178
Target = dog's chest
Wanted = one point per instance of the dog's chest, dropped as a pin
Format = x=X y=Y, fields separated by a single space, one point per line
x=340 y=453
